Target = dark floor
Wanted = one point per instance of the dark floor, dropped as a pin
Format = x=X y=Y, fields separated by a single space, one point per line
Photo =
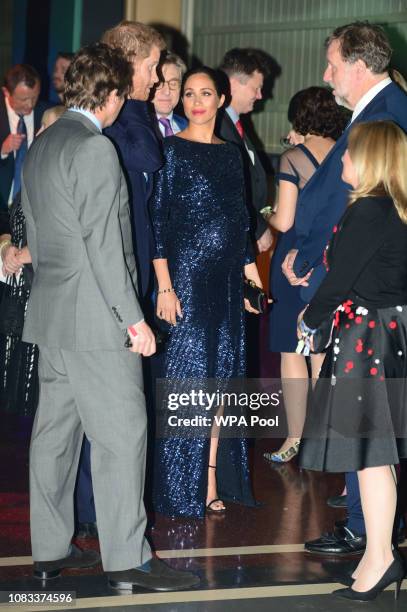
x=236 y=574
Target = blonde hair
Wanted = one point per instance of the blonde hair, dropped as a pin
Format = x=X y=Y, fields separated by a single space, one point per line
x=52 y=114
x=134 y=39
x=378 y=150
x=398 y=78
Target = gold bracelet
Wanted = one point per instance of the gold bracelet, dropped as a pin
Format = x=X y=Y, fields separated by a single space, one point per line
x=169 y=290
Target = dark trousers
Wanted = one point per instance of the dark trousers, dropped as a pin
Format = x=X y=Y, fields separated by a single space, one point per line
x=84 y=502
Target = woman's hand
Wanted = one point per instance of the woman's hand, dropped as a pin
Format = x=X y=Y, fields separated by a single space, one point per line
x=10 y=257
x=249 y=307
x=299 y=319
x=299 y=332
x=168 y=307
x=24 y=256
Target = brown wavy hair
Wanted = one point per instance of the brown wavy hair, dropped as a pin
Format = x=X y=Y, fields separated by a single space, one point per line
x=314 y=111
x=134 y=39
x=96 y=71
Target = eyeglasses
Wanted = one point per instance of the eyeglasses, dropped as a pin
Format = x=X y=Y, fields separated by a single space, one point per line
x=173 y=84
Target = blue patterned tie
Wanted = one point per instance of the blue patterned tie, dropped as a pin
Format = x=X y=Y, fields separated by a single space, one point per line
x=20 y=155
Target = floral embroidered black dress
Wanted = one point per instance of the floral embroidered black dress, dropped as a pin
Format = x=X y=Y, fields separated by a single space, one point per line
x=358 y=417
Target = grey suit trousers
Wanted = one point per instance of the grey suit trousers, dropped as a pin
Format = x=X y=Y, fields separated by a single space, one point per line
x=99 y=393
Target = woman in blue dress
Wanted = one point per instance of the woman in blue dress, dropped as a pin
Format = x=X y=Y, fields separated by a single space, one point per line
x=203 y=252
x=317 y=121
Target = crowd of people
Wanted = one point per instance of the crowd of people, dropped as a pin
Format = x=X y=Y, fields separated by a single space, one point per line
x=128 y=235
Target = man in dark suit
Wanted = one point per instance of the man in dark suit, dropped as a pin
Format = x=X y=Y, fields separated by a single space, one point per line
x=246 y=72
x=84 y=315
x=135 y=139
x=166 y=96
x=20 y=119
x=358 y=57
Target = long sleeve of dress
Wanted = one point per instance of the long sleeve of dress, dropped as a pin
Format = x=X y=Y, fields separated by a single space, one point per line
x=160 y=205
x=360 y=237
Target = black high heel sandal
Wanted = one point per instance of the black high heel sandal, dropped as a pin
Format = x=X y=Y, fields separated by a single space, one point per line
x=209 y=508
x=394 y=573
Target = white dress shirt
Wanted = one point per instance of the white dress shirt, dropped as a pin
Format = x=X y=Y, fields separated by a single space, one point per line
x=235 y=118
x=368 y=97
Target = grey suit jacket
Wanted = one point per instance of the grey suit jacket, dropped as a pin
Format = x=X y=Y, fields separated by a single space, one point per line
x=75 y=201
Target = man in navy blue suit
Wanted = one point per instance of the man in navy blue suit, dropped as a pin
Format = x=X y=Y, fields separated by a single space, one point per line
x=358 y=57
x=166 y=96
x=135 y=139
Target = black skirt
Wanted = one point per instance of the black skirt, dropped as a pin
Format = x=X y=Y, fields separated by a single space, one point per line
x=357 y=417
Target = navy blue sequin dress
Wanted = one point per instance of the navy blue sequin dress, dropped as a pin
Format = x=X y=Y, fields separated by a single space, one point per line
x=201 y=227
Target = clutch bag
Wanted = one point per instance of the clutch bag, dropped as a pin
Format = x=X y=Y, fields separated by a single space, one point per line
x=256 y=296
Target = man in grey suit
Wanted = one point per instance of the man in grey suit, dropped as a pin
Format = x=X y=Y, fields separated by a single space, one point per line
x=84 y=315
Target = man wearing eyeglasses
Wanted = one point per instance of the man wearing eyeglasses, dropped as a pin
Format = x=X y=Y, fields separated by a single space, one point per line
x=166 y=96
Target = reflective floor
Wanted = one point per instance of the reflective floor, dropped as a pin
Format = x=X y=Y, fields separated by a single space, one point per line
x=248 y=559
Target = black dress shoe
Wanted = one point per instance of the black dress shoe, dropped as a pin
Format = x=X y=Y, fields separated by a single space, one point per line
x=86 y=530
x=337 y=501
x=343 y=541
x=161 y=577
x=77 y=558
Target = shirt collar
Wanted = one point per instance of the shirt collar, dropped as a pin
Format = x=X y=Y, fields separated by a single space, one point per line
x=169 y=116
x=368 y=97
x=89 y=115
x=12 y=113
x=232 y=114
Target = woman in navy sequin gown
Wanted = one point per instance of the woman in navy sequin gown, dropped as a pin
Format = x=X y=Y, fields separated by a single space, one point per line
x=201 y=229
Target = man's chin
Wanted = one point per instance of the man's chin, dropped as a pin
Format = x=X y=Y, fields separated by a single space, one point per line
x=342 y=102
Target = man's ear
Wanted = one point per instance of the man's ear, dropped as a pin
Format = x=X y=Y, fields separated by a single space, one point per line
x=361 y=67
x=234 y=83
x=6 y=92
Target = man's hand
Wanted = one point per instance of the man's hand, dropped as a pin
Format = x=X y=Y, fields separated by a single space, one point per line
x=11 y=261
x=287 y=268
x=265 y=241
x=12 y=143
x=142 y=339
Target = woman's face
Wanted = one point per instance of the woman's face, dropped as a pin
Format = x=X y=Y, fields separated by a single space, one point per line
x=200 y=99
x=348 y=171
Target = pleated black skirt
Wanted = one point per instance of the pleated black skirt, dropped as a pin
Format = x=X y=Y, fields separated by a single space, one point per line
x=357 y=417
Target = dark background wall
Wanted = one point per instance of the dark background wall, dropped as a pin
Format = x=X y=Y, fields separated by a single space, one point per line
x=33 y=31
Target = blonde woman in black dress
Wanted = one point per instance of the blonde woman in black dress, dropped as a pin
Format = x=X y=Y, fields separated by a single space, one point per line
x=358 y=417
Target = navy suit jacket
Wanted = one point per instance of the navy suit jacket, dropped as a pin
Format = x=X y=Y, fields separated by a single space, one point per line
x=136 y=142
x=7 y=164
x=323 y=200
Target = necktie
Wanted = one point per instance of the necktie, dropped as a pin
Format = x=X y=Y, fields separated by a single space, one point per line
x=20 y=155
x=239 y=128
x=165 y=122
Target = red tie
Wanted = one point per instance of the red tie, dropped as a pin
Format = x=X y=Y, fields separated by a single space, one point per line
x=239 y=128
